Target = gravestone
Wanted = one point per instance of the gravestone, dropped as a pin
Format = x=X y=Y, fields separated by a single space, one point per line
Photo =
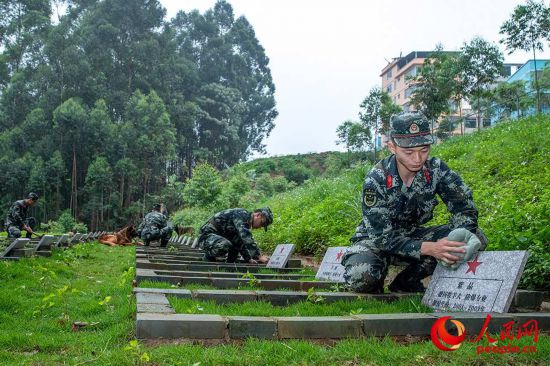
x=195 y=242
x=280 y=256
x=75 y=239
x=331 y=268
x=485 y=284
x=63 y=240
x=16 y=244
x=45 y=242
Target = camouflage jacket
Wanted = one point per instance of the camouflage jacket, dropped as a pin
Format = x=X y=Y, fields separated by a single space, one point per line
x=152 y=221
x=234 y=225
x=391 y=210
x=17 y=214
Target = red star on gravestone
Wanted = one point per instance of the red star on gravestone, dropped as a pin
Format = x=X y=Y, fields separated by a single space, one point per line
x=472 y=266
x=339 y=255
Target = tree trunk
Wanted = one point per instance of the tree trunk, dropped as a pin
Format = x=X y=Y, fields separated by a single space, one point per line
x=74 y=189
x=537 y=89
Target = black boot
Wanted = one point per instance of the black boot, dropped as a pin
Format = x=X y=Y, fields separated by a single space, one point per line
x=407 y=282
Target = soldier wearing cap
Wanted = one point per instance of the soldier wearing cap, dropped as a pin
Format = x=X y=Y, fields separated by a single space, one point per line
x=399 y=196
x=228 y=234
x=155 y=226
x=17 y=219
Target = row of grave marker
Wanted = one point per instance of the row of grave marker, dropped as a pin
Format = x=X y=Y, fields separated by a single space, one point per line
x=46 y=242
x=486 y=284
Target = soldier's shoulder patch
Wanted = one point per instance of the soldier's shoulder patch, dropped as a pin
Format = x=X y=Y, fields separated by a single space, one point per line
x=369 y=197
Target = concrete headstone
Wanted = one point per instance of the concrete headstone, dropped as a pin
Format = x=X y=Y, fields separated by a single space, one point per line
x=16 y=244
x=280 y=256
x=45 y=242
x=75 y=239
x=63 y=239
x=485 y=284
x=331 y=268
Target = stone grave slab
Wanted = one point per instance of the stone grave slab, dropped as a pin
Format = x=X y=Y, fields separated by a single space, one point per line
x=331 y=268
x=485 y=284
x=280 y=256
x=45 y=242
x=63 y=239
x=75 y=239
x=16 y=244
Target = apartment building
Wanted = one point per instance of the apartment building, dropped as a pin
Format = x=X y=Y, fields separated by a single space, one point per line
x=395 y=76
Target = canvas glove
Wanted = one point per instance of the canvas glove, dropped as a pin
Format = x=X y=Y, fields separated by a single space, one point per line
x=472 y=246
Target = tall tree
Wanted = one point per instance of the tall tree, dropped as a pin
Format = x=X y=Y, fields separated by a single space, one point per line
x=69 y=124
x=354 y=136
x=433 y=84
x=482 y=64
x=24 y=25
x=512 y=97
x=149 y=138
x=527 y=28
x=98 y=182
x=375 y=113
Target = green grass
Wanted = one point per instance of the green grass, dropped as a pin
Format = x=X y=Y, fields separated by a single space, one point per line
x=314 y=307
x=40 y=298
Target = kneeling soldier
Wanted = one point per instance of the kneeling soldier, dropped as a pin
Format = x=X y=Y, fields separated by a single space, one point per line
x=227 y=234
x=155 y=226
x=399 y=196
x=17 y=219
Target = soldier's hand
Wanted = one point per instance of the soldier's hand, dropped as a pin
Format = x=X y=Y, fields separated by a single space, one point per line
x=444 y=249
x=263 y=259
x=253 y=261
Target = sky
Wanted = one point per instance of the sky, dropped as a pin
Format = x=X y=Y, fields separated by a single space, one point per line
x=326 y=55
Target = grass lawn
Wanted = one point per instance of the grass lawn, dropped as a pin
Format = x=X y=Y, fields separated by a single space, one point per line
x=41 y=298
x=313 y=307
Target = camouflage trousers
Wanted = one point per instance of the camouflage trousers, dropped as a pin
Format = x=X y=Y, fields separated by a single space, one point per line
x=149 y=234
x=217 y=246
x=366 y=267
x=15 y=231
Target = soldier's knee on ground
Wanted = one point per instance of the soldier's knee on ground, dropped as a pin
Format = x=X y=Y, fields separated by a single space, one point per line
x=360 y=279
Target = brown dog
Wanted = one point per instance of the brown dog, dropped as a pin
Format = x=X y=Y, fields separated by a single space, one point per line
x=180 y=230
x=121 y=237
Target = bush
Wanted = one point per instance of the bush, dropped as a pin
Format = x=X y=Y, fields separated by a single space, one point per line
x=204 y=188
x=65 y=223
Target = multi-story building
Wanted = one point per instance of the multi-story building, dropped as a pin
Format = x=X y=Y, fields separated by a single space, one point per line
x=395 y=81
x=396 y=74
x=526 y=73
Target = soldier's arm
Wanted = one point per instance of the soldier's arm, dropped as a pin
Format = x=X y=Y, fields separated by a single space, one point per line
x=458 y=198
x=247 y=240
x=378 y=225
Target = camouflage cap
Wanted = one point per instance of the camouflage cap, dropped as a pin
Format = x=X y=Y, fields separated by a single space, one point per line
x=266 y=211
x=410 y=129
x=32 y=196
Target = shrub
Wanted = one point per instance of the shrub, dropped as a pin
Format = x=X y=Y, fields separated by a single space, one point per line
x=204 y=188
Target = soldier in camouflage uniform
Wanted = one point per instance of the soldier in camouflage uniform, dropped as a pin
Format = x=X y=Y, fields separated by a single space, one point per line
x=228 y=234
x=17 y=219
x=155 y=226
x=399 y=196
